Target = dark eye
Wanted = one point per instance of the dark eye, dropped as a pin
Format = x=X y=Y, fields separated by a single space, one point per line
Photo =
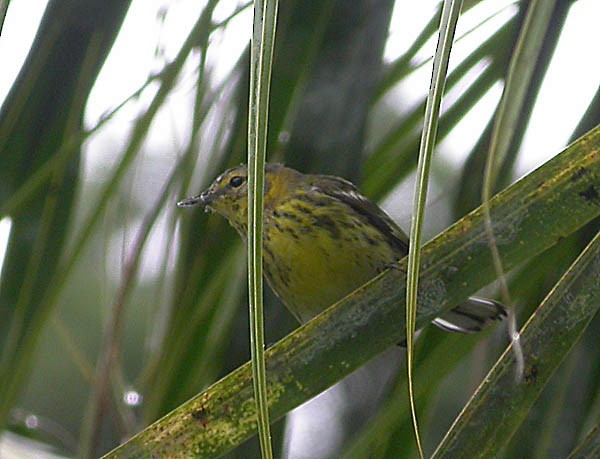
x=236 y=181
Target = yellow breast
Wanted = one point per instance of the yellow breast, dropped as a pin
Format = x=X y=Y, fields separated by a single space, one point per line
x=314 y=256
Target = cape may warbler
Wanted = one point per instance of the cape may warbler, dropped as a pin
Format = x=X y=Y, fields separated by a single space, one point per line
x=322 y=240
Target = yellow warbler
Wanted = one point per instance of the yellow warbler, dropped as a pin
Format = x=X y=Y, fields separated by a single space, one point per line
x=322 y=240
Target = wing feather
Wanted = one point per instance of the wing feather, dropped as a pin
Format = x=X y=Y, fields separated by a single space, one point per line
x=348 y=194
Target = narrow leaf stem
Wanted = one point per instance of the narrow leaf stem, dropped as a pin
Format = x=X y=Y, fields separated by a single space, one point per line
x=450 y=12
x=518 y=78
x=261 y=57
x=3 y=8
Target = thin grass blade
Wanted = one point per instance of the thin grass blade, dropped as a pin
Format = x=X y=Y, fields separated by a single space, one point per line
x=450 y=13
x=520 y=74
x=261 y=61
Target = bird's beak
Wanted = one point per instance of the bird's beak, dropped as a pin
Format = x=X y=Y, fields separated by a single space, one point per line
x=202 y=199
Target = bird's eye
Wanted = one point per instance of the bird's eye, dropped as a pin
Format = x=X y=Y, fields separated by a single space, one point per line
x=236 y=181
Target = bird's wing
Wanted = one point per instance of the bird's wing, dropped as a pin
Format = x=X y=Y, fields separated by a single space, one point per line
x=348 y=194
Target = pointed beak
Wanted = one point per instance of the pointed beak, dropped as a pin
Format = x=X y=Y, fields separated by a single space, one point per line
x=190 y=202
x=202 y=200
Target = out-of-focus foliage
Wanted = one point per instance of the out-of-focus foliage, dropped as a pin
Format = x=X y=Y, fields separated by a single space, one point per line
x=103 y=272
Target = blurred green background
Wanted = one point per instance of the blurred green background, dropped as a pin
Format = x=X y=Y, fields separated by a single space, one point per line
x=120 y=110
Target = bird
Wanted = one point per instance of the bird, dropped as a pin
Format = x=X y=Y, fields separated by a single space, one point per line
x=322 y=239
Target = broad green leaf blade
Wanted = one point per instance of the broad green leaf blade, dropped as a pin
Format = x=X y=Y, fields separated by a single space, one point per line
x=501 y=403
x=589 y=448
x=543 y=432
x=530 y=216
x=41 y=114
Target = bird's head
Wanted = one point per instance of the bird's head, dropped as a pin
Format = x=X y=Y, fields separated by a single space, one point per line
x=228 y=194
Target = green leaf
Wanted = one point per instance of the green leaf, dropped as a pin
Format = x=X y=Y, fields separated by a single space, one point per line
x=450 y=13
x=41 y=114
x=501 y=403
x=589 y=447
x=261 y=61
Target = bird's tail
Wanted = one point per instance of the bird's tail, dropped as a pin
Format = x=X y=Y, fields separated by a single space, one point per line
x=471 y=316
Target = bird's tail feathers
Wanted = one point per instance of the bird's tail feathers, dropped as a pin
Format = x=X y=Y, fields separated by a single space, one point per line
x=471 y=316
